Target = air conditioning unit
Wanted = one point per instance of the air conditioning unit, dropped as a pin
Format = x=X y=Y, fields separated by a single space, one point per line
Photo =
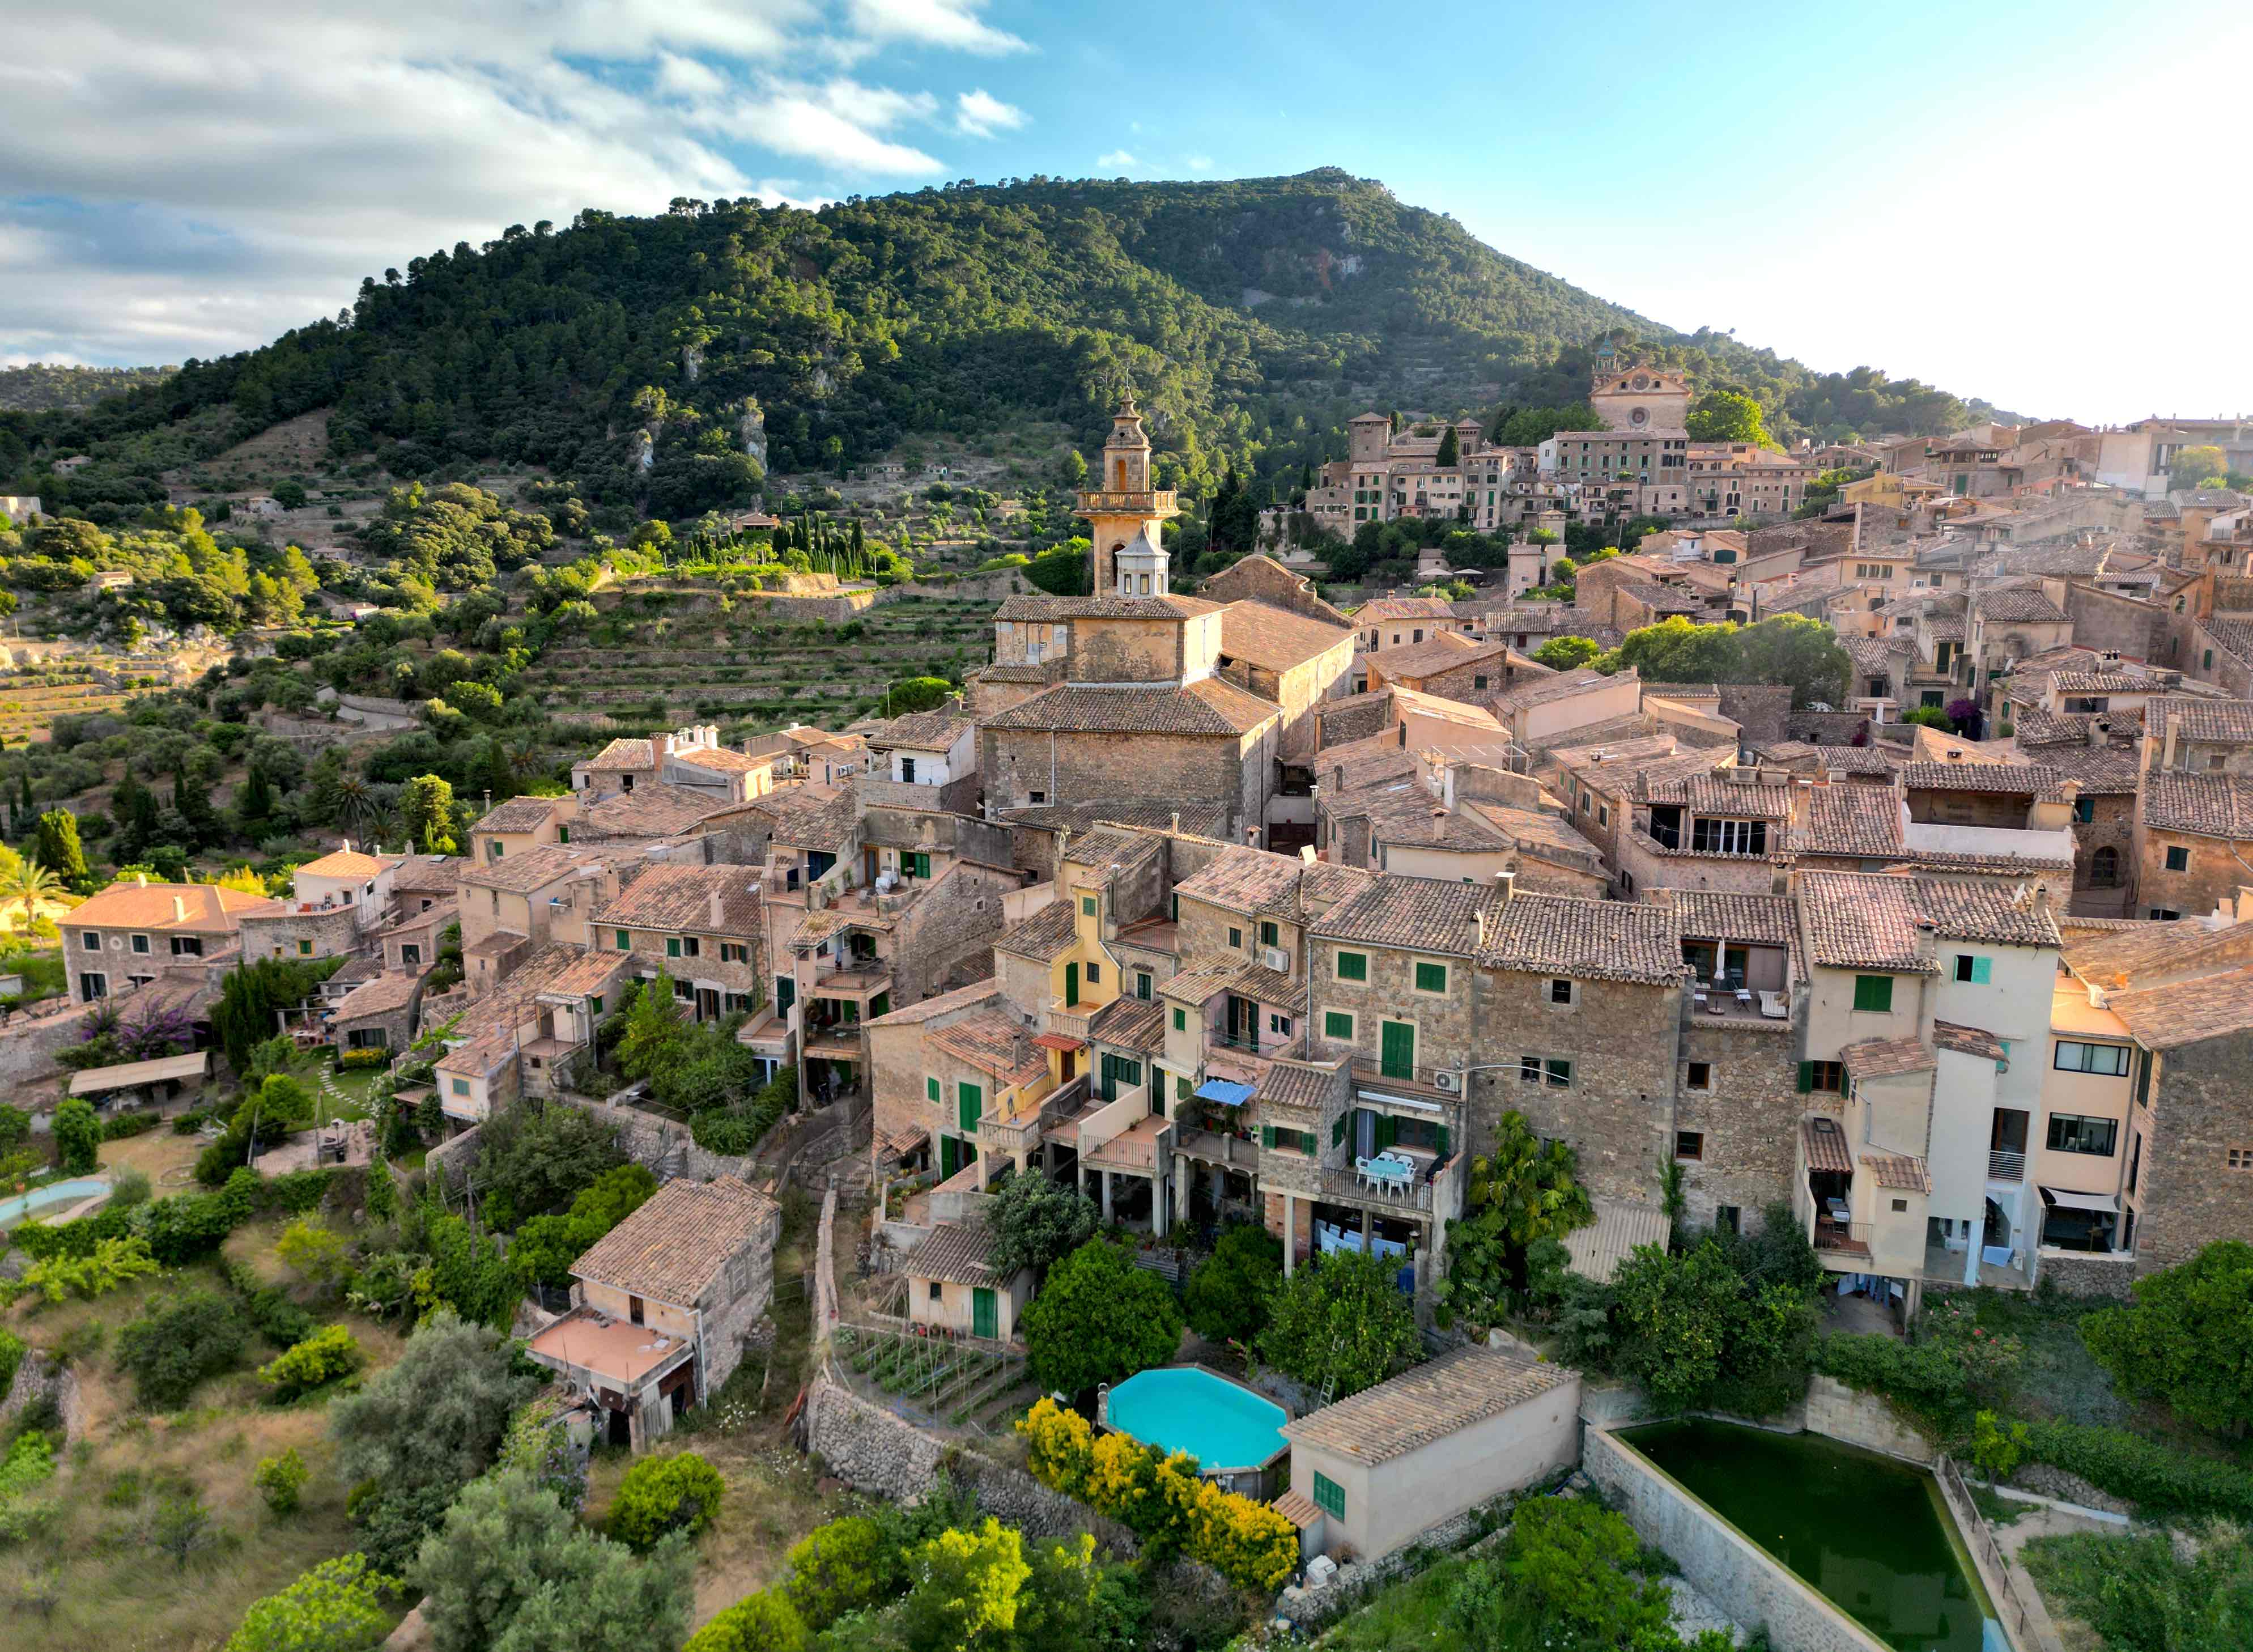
x=1276 y=959
x=1446 y=1081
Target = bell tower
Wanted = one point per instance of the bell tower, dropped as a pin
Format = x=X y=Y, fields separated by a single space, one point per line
x=1122 y=507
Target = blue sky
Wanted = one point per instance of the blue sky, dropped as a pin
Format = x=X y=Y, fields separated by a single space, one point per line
x=2028 y=202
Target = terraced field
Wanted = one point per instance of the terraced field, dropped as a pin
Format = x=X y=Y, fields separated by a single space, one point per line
x=30 y=701
x=661 y=658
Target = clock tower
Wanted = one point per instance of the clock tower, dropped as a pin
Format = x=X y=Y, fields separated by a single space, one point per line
x=1122 y=508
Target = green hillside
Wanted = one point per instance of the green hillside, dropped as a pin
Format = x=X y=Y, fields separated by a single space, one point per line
x=41 y=387
x=1252 y=316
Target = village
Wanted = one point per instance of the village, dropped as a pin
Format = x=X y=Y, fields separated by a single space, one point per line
x=1223 y=982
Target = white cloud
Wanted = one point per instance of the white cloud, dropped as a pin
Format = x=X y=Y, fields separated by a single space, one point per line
x=1117 y=161
x=953 y=24
x=1199 y=163
x=980 y=114
x=189 y=180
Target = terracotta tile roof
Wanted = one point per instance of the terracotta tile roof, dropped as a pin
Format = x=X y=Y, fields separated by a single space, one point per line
x=1826 y=1145
x=1548 y=837
x=1037 y=609
x=200 y=908
x=2188 y=1012
x=2019 y=605
x=1759 y=920
x=1047 y=671
x=500 y=1010
x=1203 y=982
x=2106 y=770
x=1260 y=883
x=2213 y=721
x=940 y=1004
x=379 y=997
x=1405 y=813
x=1884 y=1058
x=1284 y=1085
x=1367 y=763
x=651 y=810
x=679 y=1241
x=1113 y=848
x=1715 y=793
x=2234 y=635
x=1402 y=608
x=588 y=975
x=349 y=863
x=1877 y=656
x=1427 y=1404
x=1682 y=691
x=1212 y=707
x=1563 y=684
x=2104 y=682
x=427 y=875
x=1420 y=915
x=1588 y=940
x=1132 y=1023
x=993 y=1043
x=720 y=760
x=534 y=869
x=2207 y=805
x=495 y=944
x=1275 y=638
x=623 y=754
x=958 y=1252
x=825 y=825
x=1620 y=1230
x=933 y=730
x=2019 y=779
x=438 y=915
x=1442 y=651
x=1857 y=920
x=1296 y=1509
x=520 y=814
x=1900 y=1171
x=1045 y=937
x=678 y=900
x=1968 y=1041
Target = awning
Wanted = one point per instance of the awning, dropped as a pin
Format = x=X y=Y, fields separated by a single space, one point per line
x=1057 y=1040
x=1227 y=1094
x=96 y=1081
x=2104 y=1202
x=1420 y=1104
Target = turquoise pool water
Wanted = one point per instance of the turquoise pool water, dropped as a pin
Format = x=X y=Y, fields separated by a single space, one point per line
x=1178 y=1408
x=1871 y=1533
x=63 y=1193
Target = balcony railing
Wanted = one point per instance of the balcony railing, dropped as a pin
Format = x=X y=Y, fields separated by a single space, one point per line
x=2006 y=1166
x=1112 y=499
x=1345 y=1183
x=1017 y=1133
x=1248 y=1045
x=1232 y=1152
x=1852 y=1239
x=1068 y=1023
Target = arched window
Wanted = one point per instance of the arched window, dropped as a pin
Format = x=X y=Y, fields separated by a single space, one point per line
x=2104 y=867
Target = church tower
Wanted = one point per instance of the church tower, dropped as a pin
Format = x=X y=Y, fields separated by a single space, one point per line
x=1123 y=509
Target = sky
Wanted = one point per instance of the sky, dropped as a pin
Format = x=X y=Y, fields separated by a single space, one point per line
x=2032 y=202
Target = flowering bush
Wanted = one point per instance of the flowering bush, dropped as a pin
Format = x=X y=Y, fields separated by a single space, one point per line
x=1160 y=1498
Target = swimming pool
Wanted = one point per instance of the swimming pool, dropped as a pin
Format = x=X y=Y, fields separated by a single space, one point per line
x=1222 y=1425
x=54 y=1193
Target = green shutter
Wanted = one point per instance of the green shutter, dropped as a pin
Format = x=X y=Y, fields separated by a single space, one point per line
x=1980 y=968
x=931 y=1089
x=1337 y=1132
x=1087 y=906
x=983 y=1319
x=1330 y=1496
x=1071 y=985
x=1443 y=1141
x=1267 y=933
x=1396 y=1050
x=672 y=946
x=1267 y=1135
x=626 y=942
x=1873 y=993
x=1387 y=1131
x=1337 y=1024
x=1431 y=977
x=1806 y=1077
x=1181 y=1019
x=1353 y=967
x=970 y=1101
x=1181 y=1088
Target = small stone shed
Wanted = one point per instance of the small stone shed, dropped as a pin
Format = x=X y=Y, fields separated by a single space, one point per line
x=952 y=1283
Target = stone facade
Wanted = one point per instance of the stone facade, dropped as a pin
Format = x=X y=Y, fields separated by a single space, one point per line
x=1747 y=1117
x=2202 y=1107
x=949 y=930
x=2210 y=879
x=293 y=934
x=1023 y=767
x=2113 y=826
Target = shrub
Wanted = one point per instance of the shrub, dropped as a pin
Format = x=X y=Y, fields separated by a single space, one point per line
x=275 y=1318
x=112 y=1263
x=1098 y=1319
x=761 y=1623
x=1161 y=1498
x=335 y=1608
x=12 y=1355
x=313 y=1254
x=662 y=1496
x=1563 y=1577
x=315 y=1363
x=353 y=1061
x=129 y=1189
x=77 y=1129
x=280 y=1479
x=2187 y=1337
x=2158 y=1477
x=1997 y=1447
x=837 y=1568
x=1227 y=1296
x=128 y=1124
x=179 y=1341
x=1344 y=1319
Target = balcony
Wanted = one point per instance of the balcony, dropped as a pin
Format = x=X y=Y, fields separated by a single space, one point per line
x=1231 y=1152
x=1846 y=1238
x=2003 y=1165
x=1071 y=1022
x=1346 y=1184
x=1164 y=501
x=864 y=981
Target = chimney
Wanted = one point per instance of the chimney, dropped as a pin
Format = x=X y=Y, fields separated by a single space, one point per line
x=347 y=846
x=179 y=908
x=1252 y=836
x=140 y=880
x=1505 y=884
x=1176 y=826
x=717 y=918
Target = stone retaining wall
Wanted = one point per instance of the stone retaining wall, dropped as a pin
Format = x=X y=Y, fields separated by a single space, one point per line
x=1839 y=1412
x=39 y=1377
x=1738 y=1576
x=2088 y=1273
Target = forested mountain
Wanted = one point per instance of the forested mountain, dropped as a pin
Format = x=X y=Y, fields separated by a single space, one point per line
x=41 y=387
x=1251 y=317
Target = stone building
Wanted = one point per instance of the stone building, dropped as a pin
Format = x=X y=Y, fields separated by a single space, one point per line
x=704 y=926
x=130 y=933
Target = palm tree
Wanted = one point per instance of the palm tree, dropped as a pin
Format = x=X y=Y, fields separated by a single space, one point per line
x=355 y=802
x=26 y=887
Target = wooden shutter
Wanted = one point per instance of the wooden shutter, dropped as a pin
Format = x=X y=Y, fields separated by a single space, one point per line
x=970 y=1101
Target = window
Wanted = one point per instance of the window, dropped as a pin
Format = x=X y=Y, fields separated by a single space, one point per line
x=2178 y=859
x=1560 y=991
x=1431 y=977
x=2240 y=1159
x=1087 y=906
x=672 y=946
x=1901 y=1205
x=304 y=948
x=90 y=940
x=1094 y=974
x=93 y=986
x=593 y=1006
x=1700 y=1076
x=1279 y=1024
x=2084 y=810
x=937 y=1290
x=1396 y=1052
x=1353 y=967
x=1181 y=1019
x=1728 y=837
x=2071 y=1133
x=1478 y=682
x=1266 y=934
x=1288 y=1140
x=409 y=954
x=461 y=1086
x=1235 y=938
x=1142 y=984
x=1534 y=1069
x=931 y=1089
x=187 y=946
x=141 y=944
x=1330 y=1496
x=1874 y=994
x=1037 y=796
x=1690 y=1144
x=1727 y=1218
x=1827 y=1075
x=1181 y=1088
x=562 y=834
x=2111 y=1060
x=1974 y=969
x=2104 y=868
x=1338 y=1024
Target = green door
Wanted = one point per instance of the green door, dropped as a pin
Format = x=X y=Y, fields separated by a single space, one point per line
x=1396 y=1056
x=1071 y=985
x=983 y=1320
x=950 y=1157
x=970 y=1101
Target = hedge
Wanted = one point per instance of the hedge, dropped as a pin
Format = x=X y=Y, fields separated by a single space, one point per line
x=188 y=1225
x=1921 y=1379
x=350 y=1060
x=128 y=1124
x=2142 y=1471
x=1160 y=1498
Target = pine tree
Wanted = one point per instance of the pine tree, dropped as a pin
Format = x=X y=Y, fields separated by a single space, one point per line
x=1450 y=453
